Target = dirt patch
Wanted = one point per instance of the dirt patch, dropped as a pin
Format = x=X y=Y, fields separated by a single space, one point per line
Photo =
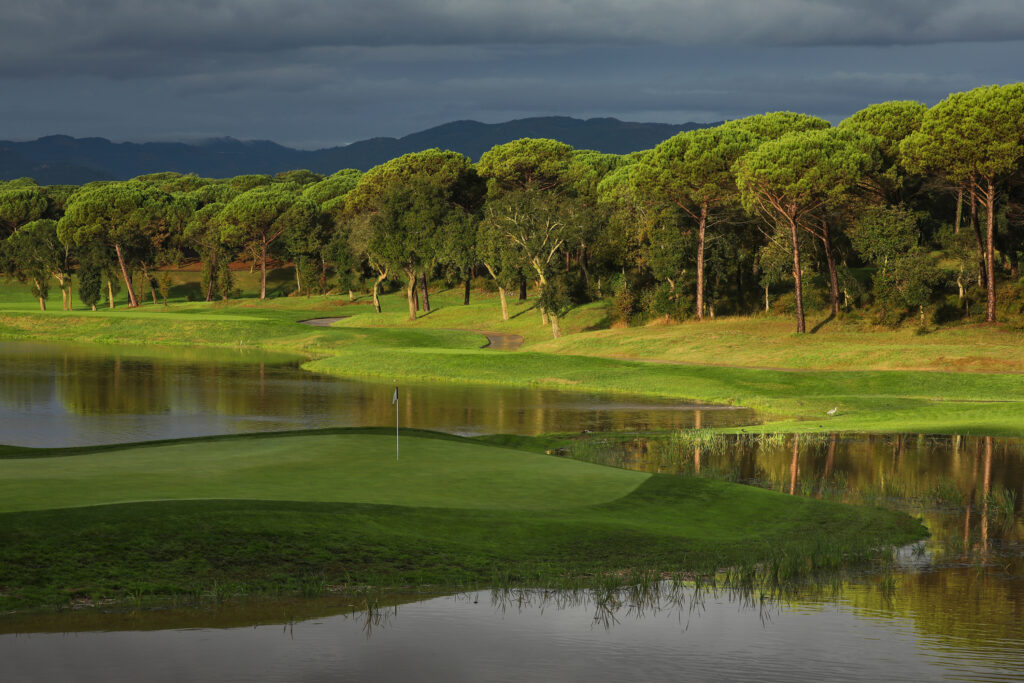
x=500 y=341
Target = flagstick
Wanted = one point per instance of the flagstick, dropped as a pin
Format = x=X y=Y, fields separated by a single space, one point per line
x=396 y=425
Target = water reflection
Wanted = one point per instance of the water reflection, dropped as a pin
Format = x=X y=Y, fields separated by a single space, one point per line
x=64 y=394
x=666 y=633
x=964 y=590
x=970 y=487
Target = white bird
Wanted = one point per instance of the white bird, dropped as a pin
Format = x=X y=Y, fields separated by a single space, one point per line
x=832 y=412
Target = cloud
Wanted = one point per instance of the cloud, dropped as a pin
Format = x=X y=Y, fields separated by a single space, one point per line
x=328 y=96
x=317 y=73
x=110 y=37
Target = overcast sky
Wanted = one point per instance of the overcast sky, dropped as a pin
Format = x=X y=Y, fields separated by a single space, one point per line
x=316 y=73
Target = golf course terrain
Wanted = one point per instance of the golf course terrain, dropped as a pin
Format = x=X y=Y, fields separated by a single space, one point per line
x=318 y=511
x=308 y=512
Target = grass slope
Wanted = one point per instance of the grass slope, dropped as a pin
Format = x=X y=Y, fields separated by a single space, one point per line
x=769 y=342
x=336 y=509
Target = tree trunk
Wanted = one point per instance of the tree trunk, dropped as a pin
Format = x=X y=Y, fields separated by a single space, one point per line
x=465 y=294
x=410 y=289
x=522 y=288
x=556 y=331
x=959 y=210
x=543 y=316
x=833 y=272
x=376 y=291
x=263 y=270
x=213 y=275
x=798 y=289
x=766 y=307
x=149 y=281
x=298 y=280
x=110 y=293
x=977 y=235
x=42 y=304
x=990 y=251
x=351 y=295
x=504 y=302
x=702 y=223
x=132 y=301
x=426 y=294
x=94 y=308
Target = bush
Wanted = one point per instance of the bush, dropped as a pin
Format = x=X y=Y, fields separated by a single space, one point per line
x=625 y=303
x=659 y=301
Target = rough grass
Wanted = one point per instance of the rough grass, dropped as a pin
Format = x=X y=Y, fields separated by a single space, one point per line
x=769 y=342
x=453 y=511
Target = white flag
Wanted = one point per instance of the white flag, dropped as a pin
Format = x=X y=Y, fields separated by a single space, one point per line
x=394 y=399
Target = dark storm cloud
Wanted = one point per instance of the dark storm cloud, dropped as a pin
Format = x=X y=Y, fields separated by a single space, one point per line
x=51 y=36
x=317 y=73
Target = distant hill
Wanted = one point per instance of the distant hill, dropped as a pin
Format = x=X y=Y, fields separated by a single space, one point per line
x=59 y=159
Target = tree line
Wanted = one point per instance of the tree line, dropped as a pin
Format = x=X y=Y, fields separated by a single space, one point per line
x=901 y=209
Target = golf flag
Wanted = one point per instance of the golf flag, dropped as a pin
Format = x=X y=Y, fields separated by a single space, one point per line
x=394 y=402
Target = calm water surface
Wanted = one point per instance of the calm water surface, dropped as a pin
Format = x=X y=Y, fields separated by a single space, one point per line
x=485 y=636
x=953 y=609
x=63 y=395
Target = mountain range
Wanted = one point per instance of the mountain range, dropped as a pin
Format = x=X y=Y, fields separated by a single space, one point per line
x=60 y=159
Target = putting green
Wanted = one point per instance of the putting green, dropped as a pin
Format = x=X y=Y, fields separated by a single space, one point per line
x=350 y=468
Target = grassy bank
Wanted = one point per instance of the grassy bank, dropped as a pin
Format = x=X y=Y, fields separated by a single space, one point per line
x=299 y=512
x=878 y=379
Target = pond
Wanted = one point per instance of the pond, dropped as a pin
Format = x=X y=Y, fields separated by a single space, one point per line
x=72 y=394
x=679 y=634
x=953 y=608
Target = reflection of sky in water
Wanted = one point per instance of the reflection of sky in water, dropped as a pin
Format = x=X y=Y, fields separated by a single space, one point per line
x=469 y=638
x=55 y=395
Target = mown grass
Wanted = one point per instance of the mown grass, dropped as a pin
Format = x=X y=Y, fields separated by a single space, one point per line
x=451 y=512
x=326 y=467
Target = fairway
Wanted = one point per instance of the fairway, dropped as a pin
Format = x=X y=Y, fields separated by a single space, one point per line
x=340 y=468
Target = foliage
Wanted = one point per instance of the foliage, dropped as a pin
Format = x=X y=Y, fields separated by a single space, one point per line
x=904 y=279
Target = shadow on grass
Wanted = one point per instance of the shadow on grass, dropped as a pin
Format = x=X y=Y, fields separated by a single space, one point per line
x=525 y=310
x=604 y=323
x=830 y=318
